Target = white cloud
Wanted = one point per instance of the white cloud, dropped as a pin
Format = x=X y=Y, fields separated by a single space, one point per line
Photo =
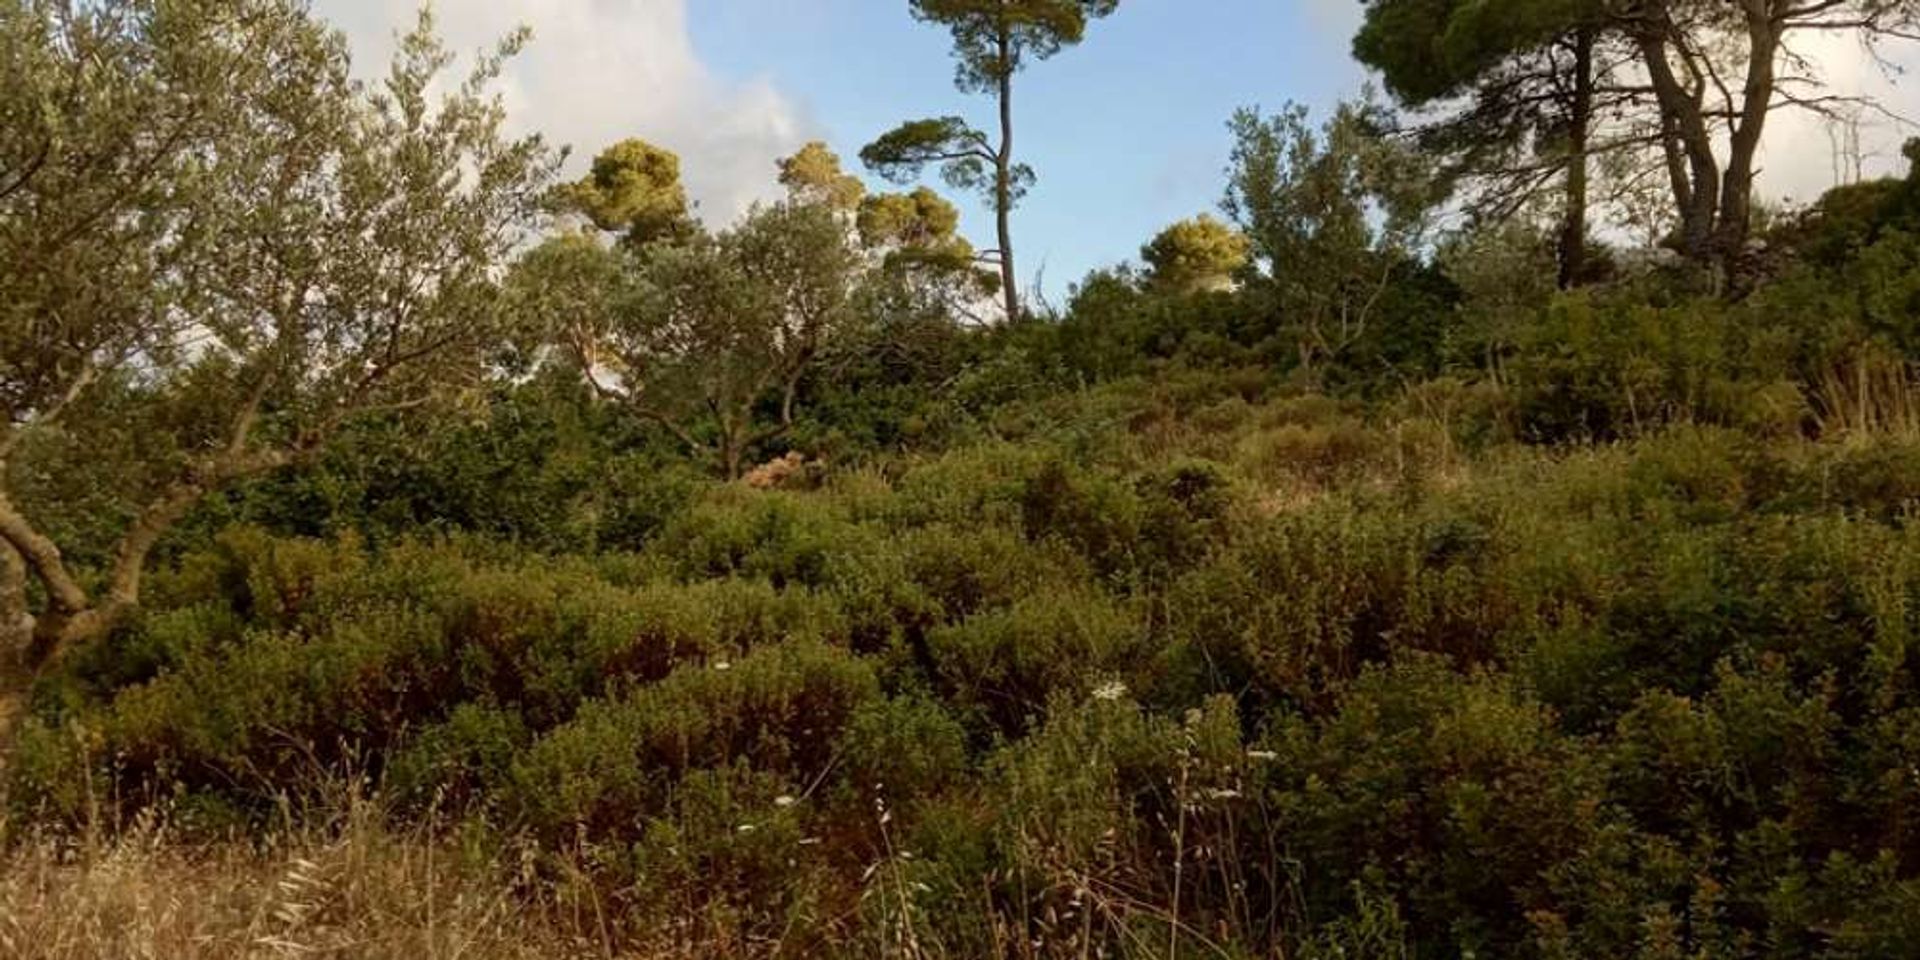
x=1804 y=153
x=599 y=71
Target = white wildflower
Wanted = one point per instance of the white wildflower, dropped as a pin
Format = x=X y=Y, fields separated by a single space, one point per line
x=1111 y=690
x=784 y=801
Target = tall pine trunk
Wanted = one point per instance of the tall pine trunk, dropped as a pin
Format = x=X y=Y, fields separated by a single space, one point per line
x=1003 y=182
x=1573 y=231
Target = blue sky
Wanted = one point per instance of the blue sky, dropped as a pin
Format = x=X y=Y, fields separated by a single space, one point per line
x=1127 y=131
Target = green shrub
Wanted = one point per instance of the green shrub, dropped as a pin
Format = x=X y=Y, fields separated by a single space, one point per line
x=1880 y=481
x=895 y=594
x=1294 y=607
x=999 y=668
x=1457 y=794
x=729 y=857
x=1654 y=695
x=1315 y=455
x=1184 y=513
x=784 y=538
x=781 y=709
x=458 y=763
x=639 y=636
x=903 y=749
x=976 y=486
x=1093 y=515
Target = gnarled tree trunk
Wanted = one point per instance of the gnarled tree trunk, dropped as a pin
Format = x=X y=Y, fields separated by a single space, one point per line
x=16 y=634
x=1714 y=199
x=31 y=642
x=1756 y=100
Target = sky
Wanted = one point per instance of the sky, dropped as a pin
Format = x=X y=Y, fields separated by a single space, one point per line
x=1127 y=132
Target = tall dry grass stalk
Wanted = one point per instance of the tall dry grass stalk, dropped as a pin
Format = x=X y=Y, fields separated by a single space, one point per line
x=361 y=892
x=1876 y=393
x=338 y=881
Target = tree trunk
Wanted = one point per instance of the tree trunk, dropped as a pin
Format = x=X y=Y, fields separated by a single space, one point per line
x=1756 y=99
x=1573 y=232
x=1697 y=190
x=30 y=643
x=730 y=452
x=1676 y=163
x=1003 y=182
x=16 y=624
x=16 y=633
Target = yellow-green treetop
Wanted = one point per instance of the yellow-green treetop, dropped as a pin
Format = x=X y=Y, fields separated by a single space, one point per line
x=922 y=218
x=814 y=175
x=633 y=189
x=1196 y=254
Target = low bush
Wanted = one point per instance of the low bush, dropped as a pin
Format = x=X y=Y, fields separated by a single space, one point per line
x=780 y=709
x=1655 y=694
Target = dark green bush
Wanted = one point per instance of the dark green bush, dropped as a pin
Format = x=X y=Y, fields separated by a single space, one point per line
x=1612 y=700
x=780 y=537
x=780 y=709
x=998 y=668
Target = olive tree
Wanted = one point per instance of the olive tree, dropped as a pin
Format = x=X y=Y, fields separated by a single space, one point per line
x=707 y=336
x=216 y=250
x=1333 y=216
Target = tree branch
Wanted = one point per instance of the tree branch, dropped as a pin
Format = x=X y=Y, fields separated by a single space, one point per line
x=42 y=556
x=19 y=181
x=164 y=511
x=14 y=434
x=16 y=621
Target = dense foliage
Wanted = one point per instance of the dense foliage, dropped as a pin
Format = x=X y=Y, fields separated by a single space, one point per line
x=1367 y=690
x=1330 y=586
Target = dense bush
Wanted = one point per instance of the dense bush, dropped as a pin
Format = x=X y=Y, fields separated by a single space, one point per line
x=1585 y=632
x=1327 y=589
x=1364 y=688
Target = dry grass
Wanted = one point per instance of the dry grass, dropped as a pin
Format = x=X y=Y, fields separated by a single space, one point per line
x=1875 y=394
x=362 y=893
x=349 y=887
